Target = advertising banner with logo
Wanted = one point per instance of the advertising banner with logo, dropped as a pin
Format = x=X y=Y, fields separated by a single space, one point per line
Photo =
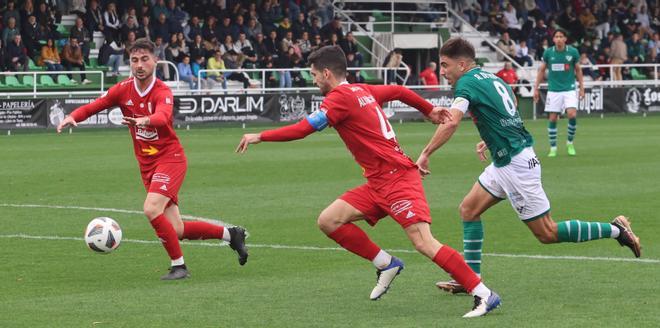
x=58 y=108
x=598 y=100
x=22 y=113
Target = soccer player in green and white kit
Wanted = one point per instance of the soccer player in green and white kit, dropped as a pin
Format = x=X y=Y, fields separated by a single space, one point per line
x=563 y=67
x=515 y=172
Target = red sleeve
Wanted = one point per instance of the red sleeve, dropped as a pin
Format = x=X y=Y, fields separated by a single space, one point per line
x=336 y=106
x=385 y=93
x=109 y=99
x=163 y=112
x=290 y=132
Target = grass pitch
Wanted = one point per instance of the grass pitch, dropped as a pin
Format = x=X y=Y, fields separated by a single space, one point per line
x=295 y=276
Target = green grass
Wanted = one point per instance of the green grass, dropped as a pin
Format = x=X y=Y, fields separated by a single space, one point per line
x=276 y=191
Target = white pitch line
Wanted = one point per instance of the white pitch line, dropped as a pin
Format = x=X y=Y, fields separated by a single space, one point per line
x=316 y=248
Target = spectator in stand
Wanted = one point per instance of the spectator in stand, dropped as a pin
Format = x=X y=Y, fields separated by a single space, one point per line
x=332 y=41
x=162 y=27
x=508 y=74
x=585 y=64
x=177 y=16
x=243 y=44
x=226 y=28
x=272 y=44
x=393 y=62
x=81 y=33
x=250 y=59
x=305 y=46
x=26 y=11
x=204 y=80
x=496 y=24
x=539 y=32
x=131 y=25
x=300 y=26
x=216 y=63
x=296 y=76
x=196 y=48
x=635 y=49
x=569 y=22
x=349 y=45
x=78 y=7
x=283 y=62
x=429 y=76
x=333 y=27
x=253 y=28
x=228 y=44
x=315 y=27
x=603 y=18
x=643 y=19
x=316 y=42
x=353 y=75
x=111 y=23
x=162 y=71
x=260 y=47
x=50 y=57
x=240 y=25
x=271 y=81
x=174 y=52
x=209 y=30
x=287 y=42
x=267 y=16
x=94 y=17
x=159 y=8
x=72 y=57
x=182 y=43
x=285 y=27
x=654 y=48
x=588 y=20
x=31 y=35
x=45 y=16
x=193 y=29
x=131 y=38
x=507 y=46
x=619 y=55
x=603 y=58
x=16 y=57
x=511 y=20
x=146 y=29
x=10 y=31
x=185 y=72
x=116 y=52
x=522 y=54
x=128 y=14
x=10 y=12
x=234 y=62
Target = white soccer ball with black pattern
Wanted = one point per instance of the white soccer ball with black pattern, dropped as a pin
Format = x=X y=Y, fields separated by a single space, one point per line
x=103 y=235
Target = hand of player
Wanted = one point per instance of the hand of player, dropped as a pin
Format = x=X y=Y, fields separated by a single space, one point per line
x=536 y=95
x=581 y=93
x=136 y=121
x=423 y=165
x=481 y=151
x=248 y=138
x=68 y=121
x=440 y=115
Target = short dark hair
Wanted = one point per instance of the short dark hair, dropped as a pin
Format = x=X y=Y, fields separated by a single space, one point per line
x=559 y=30
x=142 y=44
x=457 y=47
x=330 y=57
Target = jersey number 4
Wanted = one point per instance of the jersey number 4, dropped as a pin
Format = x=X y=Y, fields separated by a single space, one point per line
x=506 y=98
x=385 y=126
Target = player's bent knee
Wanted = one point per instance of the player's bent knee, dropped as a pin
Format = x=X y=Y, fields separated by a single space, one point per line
x=546 y=237
x=151 y=211
x=466 y=212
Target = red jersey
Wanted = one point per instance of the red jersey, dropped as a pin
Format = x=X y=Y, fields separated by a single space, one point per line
x=354 y=110
x=156 y=143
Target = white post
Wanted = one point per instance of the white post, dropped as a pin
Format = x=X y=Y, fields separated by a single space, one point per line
x=8 y=132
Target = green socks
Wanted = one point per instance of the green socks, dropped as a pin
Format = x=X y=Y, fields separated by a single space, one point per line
x=576 y=231
x=473 y=238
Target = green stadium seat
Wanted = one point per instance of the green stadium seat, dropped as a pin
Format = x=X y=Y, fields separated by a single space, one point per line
x=637 y=75
x=64 y=80
x=33 y=67
x=12 y=81
x=47 y=81
x=28 y=80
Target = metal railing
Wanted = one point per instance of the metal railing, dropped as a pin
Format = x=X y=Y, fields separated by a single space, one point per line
x=36 y=83
x=428 y=18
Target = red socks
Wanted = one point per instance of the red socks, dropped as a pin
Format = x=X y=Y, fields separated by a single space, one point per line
x=167 y=236
x=353 y=239
x=452 y=262
x=193 y=230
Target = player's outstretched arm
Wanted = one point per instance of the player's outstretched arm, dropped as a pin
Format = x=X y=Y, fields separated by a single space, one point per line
x=68 y=121
x=442 y=134
x=386 y=93
x=287 y=133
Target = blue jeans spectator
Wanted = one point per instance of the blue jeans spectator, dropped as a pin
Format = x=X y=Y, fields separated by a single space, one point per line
x=285 y=79
x=113 y=63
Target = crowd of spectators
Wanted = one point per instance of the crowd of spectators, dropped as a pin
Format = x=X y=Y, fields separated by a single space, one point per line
x=603 y=31
x=192 y=34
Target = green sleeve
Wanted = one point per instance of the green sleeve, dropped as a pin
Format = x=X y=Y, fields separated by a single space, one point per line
x=463 y=88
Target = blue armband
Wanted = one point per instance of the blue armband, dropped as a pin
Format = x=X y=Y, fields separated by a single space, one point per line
x=318 y=120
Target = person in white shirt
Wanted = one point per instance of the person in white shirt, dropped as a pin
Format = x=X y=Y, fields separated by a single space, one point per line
x=522 y=54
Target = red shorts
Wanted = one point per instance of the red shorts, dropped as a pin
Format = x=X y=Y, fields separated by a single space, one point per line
x=402 y=198
x=165 y=179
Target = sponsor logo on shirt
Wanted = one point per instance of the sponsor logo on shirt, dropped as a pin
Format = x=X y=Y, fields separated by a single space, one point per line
x=148 y=134
x=161 y=178
x=558 y=67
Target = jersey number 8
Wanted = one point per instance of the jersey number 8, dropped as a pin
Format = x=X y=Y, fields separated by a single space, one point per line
x=506 y=98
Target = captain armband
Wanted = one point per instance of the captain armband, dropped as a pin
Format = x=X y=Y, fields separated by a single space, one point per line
x=318 y=120
x=461 y=104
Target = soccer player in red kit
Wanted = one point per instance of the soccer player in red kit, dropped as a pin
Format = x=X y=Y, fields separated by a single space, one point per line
x=146 y=104
x=394 y=186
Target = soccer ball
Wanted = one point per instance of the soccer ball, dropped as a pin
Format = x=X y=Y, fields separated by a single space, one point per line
x=103 y=235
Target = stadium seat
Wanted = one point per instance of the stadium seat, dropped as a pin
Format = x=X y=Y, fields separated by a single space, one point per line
x=33 y=67
x=47 y=81
x=28 y=80
x=64 y=80
x=637 y=75
x=12 y=81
